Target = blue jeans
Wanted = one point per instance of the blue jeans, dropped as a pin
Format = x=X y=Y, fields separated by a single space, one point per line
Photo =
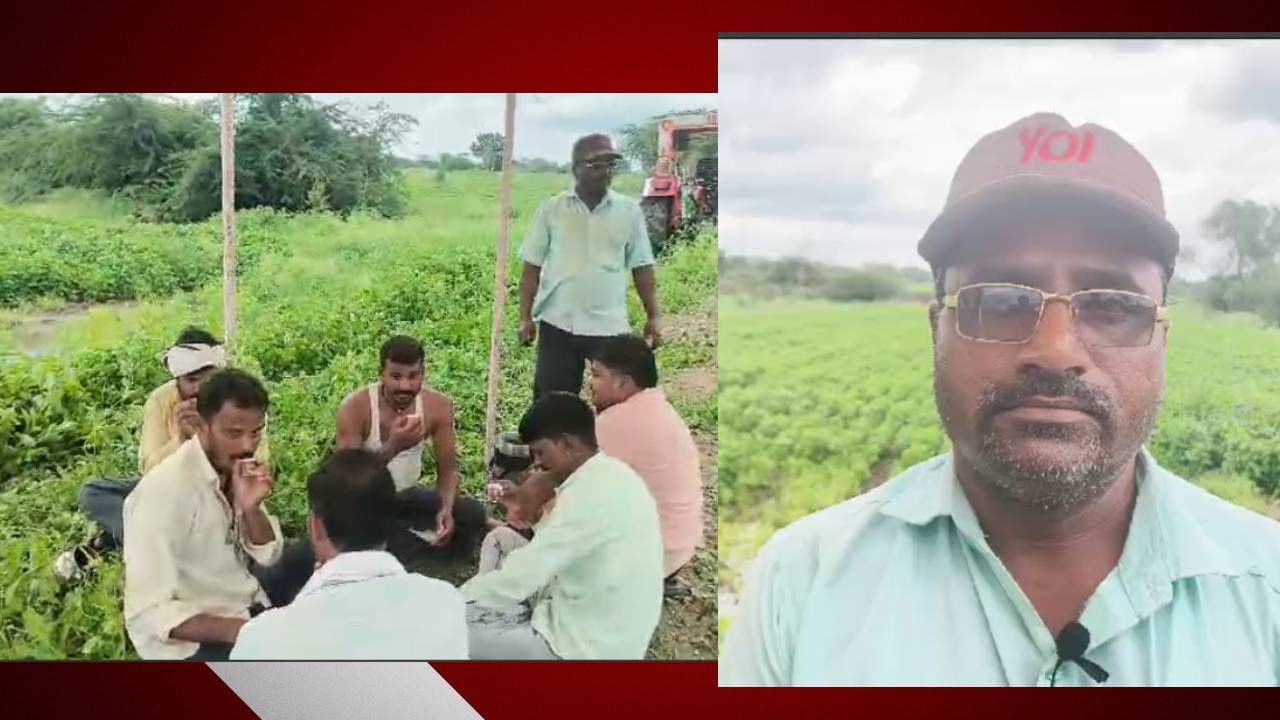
x=103 y=502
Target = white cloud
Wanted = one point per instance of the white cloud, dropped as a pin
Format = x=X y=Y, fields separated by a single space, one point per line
x=844 y=150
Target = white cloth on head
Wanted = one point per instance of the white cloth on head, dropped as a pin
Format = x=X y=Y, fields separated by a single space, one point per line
x=186 y=359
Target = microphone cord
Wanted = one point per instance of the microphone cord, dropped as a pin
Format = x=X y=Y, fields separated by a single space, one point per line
x=1053 y=677
x=1090 y=668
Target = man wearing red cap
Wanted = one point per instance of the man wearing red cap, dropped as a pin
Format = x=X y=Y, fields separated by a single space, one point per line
x=1048 y=547
x=577 y=254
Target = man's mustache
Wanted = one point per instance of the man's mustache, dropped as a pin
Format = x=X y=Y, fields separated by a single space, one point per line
x=1046 y=383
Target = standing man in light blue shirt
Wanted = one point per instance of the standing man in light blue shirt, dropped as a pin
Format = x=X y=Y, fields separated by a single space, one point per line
x=1048 y=547
x=577 y=254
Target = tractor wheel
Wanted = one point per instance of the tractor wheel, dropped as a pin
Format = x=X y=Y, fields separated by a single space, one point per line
x=657 y=218
x=708 y=174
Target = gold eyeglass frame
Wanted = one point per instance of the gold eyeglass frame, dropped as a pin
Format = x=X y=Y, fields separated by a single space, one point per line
x=952 y=301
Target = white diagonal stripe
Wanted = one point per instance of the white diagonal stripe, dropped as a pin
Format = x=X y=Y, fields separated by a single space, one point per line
x=344 y=690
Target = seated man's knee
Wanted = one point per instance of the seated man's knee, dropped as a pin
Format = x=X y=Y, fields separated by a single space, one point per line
x=503 y=537
x=86 y=495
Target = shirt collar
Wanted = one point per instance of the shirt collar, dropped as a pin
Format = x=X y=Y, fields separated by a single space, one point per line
x=352 y=567
x=583 y=469
x=1177 y=542
x=653 y=393
x=200 y=459
x=924 y=492
x=604 y=201
x=647 y=395
x=1166 y=541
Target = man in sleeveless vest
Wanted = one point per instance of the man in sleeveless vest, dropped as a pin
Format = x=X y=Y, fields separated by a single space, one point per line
x=394 y=418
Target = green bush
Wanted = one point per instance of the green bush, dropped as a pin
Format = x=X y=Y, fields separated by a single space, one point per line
x=93 y=261
x=865 y=285
x=292 y=154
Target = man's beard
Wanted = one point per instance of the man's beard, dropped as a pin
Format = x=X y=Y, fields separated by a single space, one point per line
x=399 y=401
x=1069 y=465
x=213 y=452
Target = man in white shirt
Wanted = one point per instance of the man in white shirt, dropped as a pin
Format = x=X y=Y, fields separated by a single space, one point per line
x=588 y=586
x=192 y=526
x=360 y=603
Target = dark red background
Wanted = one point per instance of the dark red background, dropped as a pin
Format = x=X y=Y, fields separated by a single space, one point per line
x=522 y=691
x=566 y=45
x=491 y=47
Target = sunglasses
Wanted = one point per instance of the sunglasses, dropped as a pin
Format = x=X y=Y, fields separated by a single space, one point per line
x=1009 y=314
x=608 y=164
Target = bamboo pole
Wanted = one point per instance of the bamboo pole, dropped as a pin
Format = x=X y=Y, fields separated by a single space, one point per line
x=228 y=151
x=500 y=280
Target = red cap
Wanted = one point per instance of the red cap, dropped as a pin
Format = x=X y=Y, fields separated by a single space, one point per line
x=1043 y=157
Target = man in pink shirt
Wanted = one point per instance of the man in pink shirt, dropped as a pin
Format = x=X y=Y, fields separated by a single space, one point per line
x=636 y=424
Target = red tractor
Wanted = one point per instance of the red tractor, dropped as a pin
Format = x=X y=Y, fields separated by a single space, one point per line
x=683 y=188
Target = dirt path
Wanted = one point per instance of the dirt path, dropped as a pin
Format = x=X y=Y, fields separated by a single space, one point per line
x=693 y=383
x=687 y=630
x=688 y=627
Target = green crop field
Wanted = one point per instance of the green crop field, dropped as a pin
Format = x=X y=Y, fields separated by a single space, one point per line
x=819 y=401
x=318 y=295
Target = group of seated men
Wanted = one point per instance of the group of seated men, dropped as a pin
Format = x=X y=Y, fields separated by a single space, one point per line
x=601 y=506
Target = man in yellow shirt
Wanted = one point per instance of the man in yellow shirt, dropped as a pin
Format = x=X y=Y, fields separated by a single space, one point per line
x=169 y=419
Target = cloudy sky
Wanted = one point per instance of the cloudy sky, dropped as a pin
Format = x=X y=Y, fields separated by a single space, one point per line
x=843 y=150
x=546 y=124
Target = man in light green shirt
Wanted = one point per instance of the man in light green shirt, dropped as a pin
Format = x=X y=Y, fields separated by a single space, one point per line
x=589 y=584
x=577 y=254
x=1048 y=520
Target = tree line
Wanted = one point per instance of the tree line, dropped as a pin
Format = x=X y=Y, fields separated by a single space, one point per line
x=637 y=142
x=292 y=153
x=800 y=277
x=1248 y=279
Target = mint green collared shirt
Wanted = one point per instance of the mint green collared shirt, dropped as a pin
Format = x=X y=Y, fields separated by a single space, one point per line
x=586 y=257
x=899 y=587
x=595 y=564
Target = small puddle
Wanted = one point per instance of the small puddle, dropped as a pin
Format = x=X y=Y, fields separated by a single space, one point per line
x=39 y=333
